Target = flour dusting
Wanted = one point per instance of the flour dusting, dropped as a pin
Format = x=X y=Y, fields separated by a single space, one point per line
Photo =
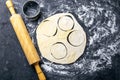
x=102 y=41
x=101 y=23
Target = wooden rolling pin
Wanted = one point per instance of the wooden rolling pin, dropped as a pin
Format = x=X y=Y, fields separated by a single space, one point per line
x=25 y=40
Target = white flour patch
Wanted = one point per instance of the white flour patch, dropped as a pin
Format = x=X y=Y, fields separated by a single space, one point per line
x=102 y=45
x=47 y=68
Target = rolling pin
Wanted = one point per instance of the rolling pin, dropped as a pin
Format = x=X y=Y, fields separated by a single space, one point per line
x=25 y=40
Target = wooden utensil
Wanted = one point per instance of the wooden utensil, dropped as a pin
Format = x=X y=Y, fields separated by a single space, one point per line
x=25 y=40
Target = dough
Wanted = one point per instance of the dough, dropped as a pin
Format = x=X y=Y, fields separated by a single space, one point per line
x=75 y=38
x=65 y=23
x=61 y=39
x=57 y=49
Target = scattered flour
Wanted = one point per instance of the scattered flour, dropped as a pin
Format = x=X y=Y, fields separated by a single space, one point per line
x=101 y=24
x=100 y=21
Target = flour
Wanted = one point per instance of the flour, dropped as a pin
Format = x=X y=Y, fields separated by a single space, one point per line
x=100 y=25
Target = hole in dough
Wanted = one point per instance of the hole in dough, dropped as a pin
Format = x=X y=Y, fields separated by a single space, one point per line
x=58 y=50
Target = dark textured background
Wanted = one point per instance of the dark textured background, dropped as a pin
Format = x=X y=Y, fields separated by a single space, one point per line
x=101 y=59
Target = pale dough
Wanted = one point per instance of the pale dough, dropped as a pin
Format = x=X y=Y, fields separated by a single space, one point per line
x=61 y=39
x=65 y=23
x=57 y=49
x=76 y=38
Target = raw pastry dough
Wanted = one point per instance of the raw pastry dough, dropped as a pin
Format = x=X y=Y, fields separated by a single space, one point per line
x=65 y=23
x=61 y=39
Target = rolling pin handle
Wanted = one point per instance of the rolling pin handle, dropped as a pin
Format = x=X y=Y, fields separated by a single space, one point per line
x=41 y=75
x=10 y=6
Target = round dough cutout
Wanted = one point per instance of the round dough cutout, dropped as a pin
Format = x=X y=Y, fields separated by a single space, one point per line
x=58 y=50
x=66 y=23
x=48 y=30
x=76 y=38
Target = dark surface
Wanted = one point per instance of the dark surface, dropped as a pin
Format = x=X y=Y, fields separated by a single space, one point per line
x=101 y=59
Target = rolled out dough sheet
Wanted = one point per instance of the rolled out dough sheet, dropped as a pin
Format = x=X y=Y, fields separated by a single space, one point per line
x=61 y=39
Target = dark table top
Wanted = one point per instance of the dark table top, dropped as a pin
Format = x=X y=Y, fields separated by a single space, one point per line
x=101 y=59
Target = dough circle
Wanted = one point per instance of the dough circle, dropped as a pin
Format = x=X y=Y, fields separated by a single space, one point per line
x=75 y=38
x=49 y=30
x=61 y=39
x=58 y=50
x=65 y=23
